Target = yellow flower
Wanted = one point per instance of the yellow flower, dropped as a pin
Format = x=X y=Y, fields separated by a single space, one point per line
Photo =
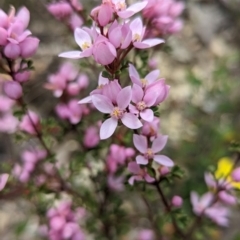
x=224 y=169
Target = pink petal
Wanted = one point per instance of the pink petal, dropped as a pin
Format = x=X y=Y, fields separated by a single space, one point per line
x=159 y=143
x=149 y=179
x=133 y=167
x=134 y=8
x=131 y=121
x=131 y=180
x=148 y=43
x=87 y=99
x=137 y=93
x=150 y=98
x=23 y=15
x=140 y=143
x=133 y=72
x=141 y=160
x=102 y=103
x=152 y=76
x=102 y=80
x=82 y=37
x=194 y=198
x=108 y=127
x=3 y=180
x=136 y=26
x=147 y=115
x=3 y=36
x=105 y=14
x=124 y=97
x=163 y=160
x=71 y=54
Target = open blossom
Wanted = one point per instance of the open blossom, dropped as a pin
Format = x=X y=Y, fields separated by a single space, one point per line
x=143 y=102
x=143 y=82
x=115 y=105
x=139 y=174
x=84 y=41
x=3 y=180
x=138 y=34
x=140 y=142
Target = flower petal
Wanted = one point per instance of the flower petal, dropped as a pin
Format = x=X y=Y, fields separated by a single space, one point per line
x=140 y=143
x=159 y=143
x=108 y=127
x=71 y=54
x=152 y=76
x=82 y=37
x=137 y=93
x=102 y=103
x=133 y=167
x=147 y=115
x=131 y=121
x=124 y=97
x=3 y=180
x=87 y=99
x=148 y=43
x=163 y=160
x=141 y=160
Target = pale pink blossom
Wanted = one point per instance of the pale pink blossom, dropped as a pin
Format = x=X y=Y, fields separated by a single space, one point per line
x=117 y=112
x=139 y=174
x=84 y=41
x=140 y=142
x=30 y=123
x=138 y=31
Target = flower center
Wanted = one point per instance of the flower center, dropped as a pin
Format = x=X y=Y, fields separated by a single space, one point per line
x=85 y=46
x=120 y=6
x=144 y=82
x=141 y=106
x=149 y=154
x=117 y=113
x=136 y=37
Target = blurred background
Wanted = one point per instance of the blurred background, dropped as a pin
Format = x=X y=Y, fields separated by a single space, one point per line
x=201 y=115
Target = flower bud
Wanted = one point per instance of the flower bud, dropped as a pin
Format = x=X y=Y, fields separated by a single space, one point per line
x=177 y=201
x=29 y=47
x=12 y=89
x=12 y=51
x=3 y=37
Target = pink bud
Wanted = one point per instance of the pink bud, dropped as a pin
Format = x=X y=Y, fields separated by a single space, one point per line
x=103 y=51
x=177 y=201
x=22 y=76
x=164 y=170
x=12 y=51
x=12 y=89
x=236 y=174
x=105 y=14
x=29 y=47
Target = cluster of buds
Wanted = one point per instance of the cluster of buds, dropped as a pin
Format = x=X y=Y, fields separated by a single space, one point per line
x=65 y=84
x=63 y=222
x=216 y=203
x=15 y=40
x=163 y=17
x=67 y=11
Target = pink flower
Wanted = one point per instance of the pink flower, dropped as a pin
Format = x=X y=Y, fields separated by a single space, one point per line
x=145 y=234
x=8 y=123
x=140 y=174
x=3 y=180
x=143 y=102
x=60 y=10
x=5 y=103
x=91 y=137
x=103 y=51
x=84 y=41
x=227 y=198
x=151 y=129
x=115 y=183
x=138 y=33
x=30 y=123
x=117 y=112
x=201 y=204
x=143 y=82
x=140 y=142
x=177 y=201
x=102 y=14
